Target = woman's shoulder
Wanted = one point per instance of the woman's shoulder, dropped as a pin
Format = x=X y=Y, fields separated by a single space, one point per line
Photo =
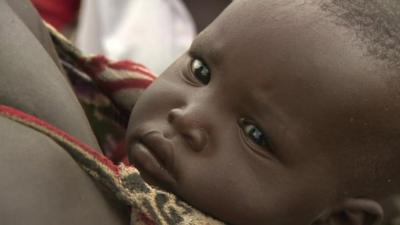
x=40 y=183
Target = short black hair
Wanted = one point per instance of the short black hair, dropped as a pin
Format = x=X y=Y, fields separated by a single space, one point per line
x=376 y=23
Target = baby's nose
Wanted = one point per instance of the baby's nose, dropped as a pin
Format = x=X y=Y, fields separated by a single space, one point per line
x=188 y=125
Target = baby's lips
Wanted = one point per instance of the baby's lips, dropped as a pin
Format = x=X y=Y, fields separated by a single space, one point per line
x=133 y=136
x=150 y=167
x=161 y=147
x=153 y=154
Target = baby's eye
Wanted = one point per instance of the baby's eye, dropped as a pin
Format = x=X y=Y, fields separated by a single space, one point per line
x=254 y=133
x=200 y=71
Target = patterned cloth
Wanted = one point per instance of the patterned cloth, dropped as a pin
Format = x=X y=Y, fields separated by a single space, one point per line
x=150 y=206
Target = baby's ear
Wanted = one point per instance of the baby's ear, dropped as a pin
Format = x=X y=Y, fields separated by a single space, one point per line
x=353 y=212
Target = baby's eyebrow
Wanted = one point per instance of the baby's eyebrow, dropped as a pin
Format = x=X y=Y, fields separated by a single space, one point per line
x=206 y=50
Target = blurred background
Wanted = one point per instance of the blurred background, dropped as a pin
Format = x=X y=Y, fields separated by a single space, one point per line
x=150 y=32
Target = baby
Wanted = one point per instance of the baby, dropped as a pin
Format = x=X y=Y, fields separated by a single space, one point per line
x=281 y=112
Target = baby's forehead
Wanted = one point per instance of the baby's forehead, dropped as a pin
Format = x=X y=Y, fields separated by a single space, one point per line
x=260 y=43
x=373 y=23
x=266 y=36
x=261 y=25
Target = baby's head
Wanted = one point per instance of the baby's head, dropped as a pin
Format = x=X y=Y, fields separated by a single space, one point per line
x=281 y=112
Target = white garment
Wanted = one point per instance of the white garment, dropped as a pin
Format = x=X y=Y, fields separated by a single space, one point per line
x=151 y=32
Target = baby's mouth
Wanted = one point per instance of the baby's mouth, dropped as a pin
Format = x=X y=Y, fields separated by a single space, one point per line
x=153 y=155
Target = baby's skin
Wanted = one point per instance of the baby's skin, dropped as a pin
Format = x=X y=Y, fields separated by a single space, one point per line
x=276 y=115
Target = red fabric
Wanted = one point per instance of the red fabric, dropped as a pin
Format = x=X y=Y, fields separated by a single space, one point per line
x=97 y=64
x=132 y=66
x=146 y=219
x=119 y=153
x=59 y=13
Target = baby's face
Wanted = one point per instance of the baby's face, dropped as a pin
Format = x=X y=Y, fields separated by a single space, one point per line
x=264 y=119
